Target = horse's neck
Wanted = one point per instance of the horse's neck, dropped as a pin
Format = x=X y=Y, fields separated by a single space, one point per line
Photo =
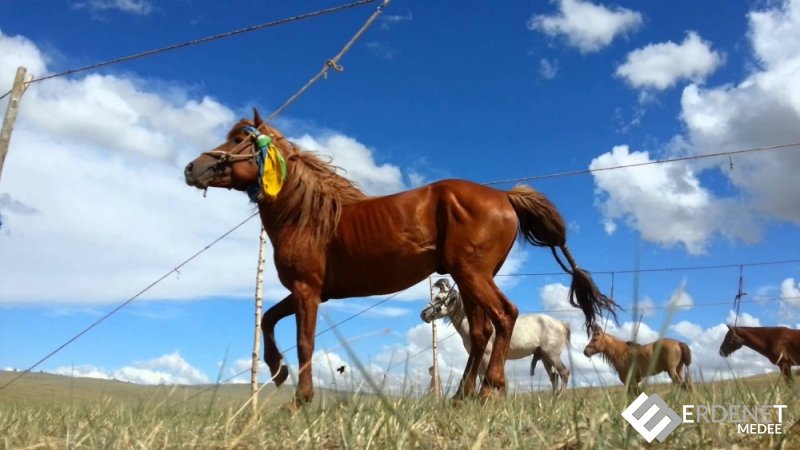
x=757 y=340
x=458 y=317
x=618 y=353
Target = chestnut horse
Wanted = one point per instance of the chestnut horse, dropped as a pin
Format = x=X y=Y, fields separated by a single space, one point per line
x=780 y=345
x=641 y=360
x=330 y=240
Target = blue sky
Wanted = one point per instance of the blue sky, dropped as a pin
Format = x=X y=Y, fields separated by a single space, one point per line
x=94 y=208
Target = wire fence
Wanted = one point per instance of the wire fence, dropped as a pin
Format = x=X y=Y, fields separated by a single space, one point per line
x=199 y=41
x=333 y=63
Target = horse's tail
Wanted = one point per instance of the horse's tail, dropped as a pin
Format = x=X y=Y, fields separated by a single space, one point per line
x=686 y=359
x=542 y=225
x=569 y=332
x=686 y=355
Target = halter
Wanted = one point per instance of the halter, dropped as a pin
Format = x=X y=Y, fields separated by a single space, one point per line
x=230 y=157
x=271 y=164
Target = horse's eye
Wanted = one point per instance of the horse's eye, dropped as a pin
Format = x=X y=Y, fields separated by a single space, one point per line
x=238 y=140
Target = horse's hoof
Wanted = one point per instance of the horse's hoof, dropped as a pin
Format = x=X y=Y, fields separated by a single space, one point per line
x=281 y=376
x=292 y=406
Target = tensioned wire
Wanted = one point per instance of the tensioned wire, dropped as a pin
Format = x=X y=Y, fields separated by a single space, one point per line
x=333 y=63
x=330 y=63
x=202 y=40
x=572 y=173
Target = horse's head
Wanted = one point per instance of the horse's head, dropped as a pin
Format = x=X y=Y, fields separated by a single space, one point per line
x=597 y=344
x=233 y=164
x=731 y=343
x=440 y=306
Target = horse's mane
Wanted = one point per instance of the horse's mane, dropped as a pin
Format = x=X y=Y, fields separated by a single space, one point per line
x=313 y=194
x=457 y=314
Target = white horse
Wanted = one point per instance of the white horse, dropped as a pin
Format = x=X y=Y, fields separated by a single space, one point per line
x=539 y=335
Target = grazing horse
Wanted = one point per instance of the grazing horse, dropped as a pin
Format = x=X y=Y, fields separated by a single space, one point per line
x=780 y=345
x=331 y=241
x=534 y=334
x=641 y=360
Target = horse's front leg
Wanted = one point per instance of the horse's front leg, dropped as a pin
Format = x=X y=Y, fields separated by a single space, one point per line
x=273 y=356
x=306 y=306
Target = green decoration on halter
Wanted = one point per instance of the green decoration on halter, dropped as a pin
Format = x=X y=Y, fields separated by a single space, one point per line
x=263 y=140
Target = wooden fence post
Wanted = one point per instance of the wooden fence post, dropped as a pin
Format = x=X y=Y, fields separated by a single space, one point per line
x=20 y=84
x=436 y=384
x=256 y=338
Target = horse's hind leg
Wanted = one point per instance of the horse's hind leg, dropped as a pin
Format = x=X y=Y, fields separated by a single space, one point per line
x=503 y=315
x=686 y=382
x=675 y=376
x=563 y=372
x=551 y=373
x=272 y=356
x=786 y=371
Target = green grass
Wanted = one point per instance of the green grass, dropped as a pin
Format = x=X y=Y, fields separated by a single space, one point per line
x=48 y=411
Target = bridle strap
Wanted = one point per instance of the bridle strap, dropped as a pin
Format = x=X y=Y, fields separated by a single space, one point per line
x=225 y=157
x=229 y=157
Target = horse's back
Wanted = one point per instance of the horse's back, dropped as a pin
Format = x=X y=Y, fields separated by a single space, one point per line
x=532 y=331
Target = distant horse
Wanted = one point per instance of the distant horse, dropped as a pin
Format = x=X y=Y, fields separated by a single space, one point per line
x=780 y=345
x=332 y=241
x=534 y=334
x=663 y=355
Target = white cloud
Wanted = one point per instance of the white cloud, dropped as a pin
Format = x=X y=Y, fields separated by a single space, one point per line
x=646 y=307
x=668 y=204
x=167 y=369
x=664 y=202
x=18 y=51
x=659 y=66
x=790 y=292
x=585 y=25
x=773 y=32
x=761 y=110
x=358 y=162
x=744 y=319
x=138 y=7
x=548 y=69
x=680 y=299
x=93 y=202
x=388 y=21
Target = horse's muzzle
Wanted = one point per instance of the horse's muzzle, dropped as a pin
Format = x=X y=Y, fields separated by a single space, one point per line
x=191 y=177
x=425 y=318
x=187 y=174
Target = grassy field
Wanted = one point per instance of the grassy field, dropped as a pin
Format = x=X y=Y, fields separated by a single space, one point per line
x=49 y=411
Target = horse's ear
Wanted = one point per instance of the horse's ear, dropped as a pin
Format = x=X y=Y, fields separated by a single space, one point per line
x=727 y=325
x=257 y=118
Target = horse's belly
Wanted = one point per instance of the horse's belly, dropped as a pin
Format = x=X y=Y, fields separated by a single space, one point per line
x=518 y=353
x=376 y=274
